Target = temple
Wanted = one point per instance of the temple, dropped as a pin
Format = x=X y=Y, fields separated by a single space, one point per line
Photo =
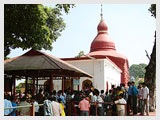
x=107 y=66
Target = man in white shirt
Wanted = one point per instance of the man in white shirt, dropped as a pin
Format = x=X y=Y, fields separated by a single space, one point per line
x=121 y=108
x=36 y=106
x=56 y=109
x=93 y=108
x=140 y=94
x=145 y=98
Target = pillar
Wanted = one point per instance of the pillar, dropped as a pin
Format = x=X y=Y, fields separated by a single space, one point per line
x=63 y=85
x=51 y=83
x=13 y=92
x=26 y=85
x=37 y=86
x=33 y=90
x=71 y=84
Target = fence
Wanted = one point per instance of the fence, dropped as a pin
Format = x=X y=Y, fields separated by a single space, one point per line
x=32 y=107
x=108 y=103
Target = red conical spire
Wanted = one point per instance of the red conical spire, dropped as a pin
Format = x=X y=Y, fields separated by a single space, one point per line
x=102 y=41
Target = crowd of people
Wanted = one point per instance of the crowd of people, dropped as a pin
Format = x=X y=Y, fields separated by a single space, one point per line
x=118 y=101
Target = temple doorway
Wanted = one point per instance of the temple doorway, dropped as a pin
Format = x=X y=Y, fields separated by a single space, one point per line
x=86 y=85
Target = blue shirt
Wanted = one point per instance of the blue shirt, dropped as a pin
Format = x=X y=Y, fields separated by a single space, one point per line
x=7 y=104
x=62 y=97
x=134 y=91
x=130 y=90
x=14 y=105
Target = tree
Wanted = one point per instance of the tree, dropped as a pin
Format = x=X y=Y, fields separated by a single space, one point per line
x=32 y=26
x=81 y=53
x=137 y=70
x=150 y=75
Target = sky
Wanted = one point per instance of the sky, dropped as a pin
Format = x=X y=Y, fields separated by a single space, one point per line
x=130 y=26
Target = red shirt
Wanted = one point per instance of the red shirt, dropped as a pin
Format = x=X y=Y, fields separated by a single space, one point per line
x=84 y=105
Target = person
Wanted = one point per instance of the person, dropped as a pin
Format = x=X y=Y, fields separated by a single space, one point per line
x=47 y=108
x=24 y=111
x=134 y=98
x=7 y=104
x=14 y=112
x=102 y=94
x=129 y=100
x=69 y=103
x=93 y=107
x=120 y=108
x=145 y=99
x=36 y=105
x=108 y=98
x=59 y=95
x=84 y=106
x=40 y=100
x=140 y=93
x=99 y=106
x=57 y=111
x=62 y=106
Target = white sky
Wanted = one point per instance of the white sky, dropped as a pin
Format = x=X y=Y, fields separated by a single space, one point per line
x=130 y=26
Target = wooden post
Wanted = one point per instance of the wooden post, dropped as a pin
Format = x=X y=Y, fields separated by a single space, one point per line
x=125 y=109
x=37 y=86
x=51 y=83
x=62 y=85
x=33 y=90
x=14 y=89
x=32 y=110
x=26 y=86
x=72 y=84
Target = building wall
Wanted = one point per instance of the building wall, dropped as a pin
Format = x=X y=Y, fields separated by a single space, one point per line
x=112 y=75
x=102 y=70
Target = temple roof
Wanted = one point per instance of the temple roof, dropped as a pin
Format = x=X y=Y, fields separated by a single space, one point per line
x=102 y=42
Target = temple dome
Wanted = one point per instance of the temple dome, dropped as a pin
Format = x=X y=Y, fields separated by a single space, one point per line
x=102 y=26
x=102 y=42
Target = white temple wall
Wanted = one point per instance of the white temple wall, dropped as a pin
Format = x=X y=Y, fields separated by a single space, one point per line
x=112 y=75
x=102 y=70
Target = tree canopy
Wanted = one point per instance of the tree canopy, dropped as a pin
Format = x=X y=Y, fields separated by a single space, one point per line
x=152 y=9
x=81 y=53
x=32 y=26
x=137 y=70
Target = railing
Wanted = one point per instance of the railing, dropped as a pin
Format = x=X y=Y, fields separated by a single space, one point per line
x=107 y=103
x=32 y=108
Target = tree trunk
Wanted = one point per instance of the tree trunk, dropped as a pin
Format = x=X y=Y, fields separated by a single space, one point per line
x=150 y=78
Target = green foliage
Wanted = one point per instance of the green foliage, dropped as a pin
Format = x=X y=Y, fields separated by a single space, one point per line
x=32 y=26
x=137 y=71
x=65 y=7
x=152 y=9
x=81 y=53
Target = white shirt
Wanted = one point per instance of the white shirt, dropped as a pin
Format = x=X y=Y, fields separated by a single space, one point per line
x=36 y=106
x=140 y=92
x=99 y=99
x=120 y=101
x=145 y=93
x=56 y=109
